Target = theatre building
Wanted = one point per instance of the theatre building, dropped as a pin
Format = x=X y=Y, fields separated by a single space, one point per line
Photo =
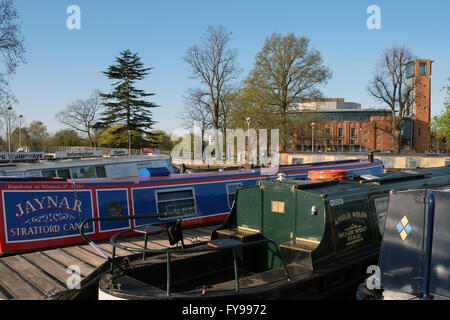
x=336 y=125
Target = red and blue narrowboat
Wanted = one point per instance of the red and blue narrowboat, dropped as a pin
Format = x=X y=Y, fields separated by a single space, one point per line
x=40 y=213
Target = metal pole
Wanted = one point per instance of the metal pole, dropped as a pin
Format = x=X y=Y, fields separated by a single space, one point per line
x=9 y=128
x=129 y=143
x=429 y=244
x=360 y=139
x=20 y=131
x=169 y=280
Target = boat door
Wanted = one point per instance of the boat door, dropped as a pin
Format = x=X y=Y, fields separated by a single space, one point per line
x=279 y=214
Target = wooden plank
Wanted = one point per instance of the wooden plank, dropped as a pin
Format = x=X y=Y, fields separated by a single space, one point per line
x=33 y=274
x=56 y=268
x=85 y=255
x=4 y=293
x=18 y=288
x=69 y=260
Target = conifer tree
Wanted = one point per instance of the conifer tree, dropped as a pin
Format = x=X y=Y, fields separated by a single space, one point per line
x=126 y=106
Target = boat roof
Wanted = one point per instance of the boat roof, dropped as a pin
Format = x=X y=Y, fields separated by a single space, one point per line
x=65 y=163
x=335 y=188
x=232 y=174
x=238 y=174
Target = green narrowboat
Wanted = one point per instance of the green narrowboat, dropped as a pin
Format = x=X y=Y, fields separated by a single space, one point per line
x=284 y=239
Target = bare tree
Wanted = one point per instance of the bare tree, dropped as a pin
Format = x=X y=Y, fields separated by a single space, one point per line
x=11 y=41
x=214 y=64
x=196 y=112
x=286 y=71
x=391 y=87
x=12 y=51
x=81 y=115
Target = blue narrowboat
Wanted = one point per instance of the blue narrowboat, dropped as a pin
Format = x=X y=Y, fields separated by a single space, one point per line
x=40 y=213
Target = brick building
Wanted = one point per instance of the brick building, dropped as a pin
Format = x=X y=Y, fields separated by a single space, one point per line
x=333 y=124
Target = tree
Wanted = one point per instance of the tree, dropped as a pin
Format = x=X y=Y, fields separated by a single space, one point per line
x=66 y=137
x=38 y=133
x=163 y=141
x=285 y=72
x=390 y=86
x=11 y=47
x=126 y=107
x=214 y=64
x=195 y=113
x=82 y=115
x=441 y=123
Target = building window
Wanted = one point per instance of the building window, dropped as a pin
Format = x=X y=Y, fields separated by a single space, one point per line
x=366 y=141
x=177 y=202
x=328 y=143
x=366 y=132
x=327 y=132
x=410 y=70
x=352 y=141
x=422 y=68
x=353 y=132
x=418 y=131
x=340 y=132
x=302 y=132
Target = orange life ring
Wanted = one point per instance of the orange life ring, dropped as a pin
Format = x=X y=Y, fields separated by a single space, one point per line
x=327 y=174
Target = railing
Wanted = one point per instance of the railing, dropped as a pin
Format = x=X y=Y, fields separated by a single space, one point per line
x=168 y=251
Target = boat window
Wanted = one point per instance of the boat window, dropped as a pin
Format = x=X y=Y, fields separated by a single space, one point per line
x=83 y=172
x=49 y=173
x=381 y=205
x=176 y=202
x=100 y=171
x=231 y=192
x=64 y=173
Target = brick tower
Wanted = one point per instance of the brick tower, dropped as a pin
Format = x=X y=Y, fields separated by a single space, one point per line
x=420 y=72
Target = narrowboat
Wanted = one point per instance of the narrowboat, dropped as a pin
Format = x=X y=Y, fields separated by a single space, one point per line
x=70 y=165
x=288 y=239
x=40 y=213
x=414 y=260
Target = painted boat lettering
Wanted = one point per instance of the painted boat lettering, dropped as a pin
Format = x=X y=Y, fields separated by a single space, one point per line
x=45 y=203
x=336 y=202
x=45 y=215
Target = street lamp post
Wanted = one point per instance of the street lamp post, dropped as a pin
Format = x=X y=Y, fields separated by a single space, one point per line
x=20 y=131
x=248 y=135
x=381 y=142
x=360 y=139
x=129 y=143
x=313 y=125
x=8 y=129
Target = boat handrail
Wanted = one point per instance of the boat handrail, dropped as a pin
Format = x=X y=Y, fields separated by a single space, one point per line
x=114 y=218
x=168 y=251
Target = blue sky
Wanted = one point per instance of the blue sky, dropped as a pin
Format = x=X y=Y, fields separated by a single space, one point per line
x=64 y=65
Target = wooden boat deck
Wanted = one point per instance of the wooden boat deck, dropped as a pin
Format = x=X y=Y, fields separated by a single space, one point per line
x=41 y=275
